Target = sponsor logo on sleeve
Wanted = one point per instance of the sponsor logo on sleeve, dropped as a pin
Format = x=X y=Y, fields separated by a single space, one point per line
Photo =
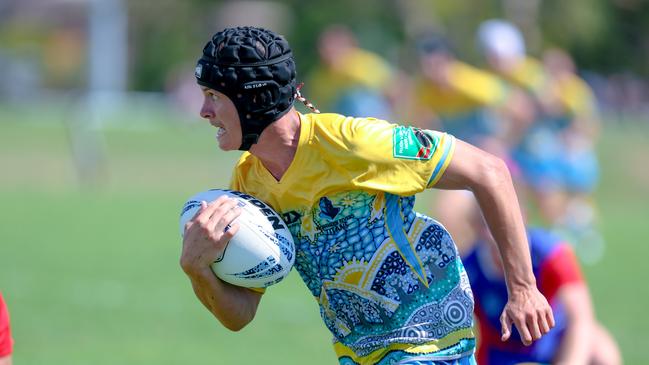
x=412 y=143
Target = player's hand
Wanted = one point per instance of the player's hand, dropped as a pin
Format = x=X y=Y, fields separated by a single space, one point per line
x=530 y=312
x=207 y=233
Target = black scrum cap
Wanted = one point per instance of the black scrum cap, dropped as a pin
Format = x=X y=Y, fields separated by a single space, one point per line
x=254 y=67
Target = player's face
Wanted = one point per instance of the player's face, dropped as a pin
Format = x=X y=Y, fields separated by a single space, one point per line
x=219 y=110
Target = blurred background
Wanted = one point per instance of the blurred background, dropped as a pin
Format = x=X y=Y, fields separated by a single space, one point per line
x=101 y=144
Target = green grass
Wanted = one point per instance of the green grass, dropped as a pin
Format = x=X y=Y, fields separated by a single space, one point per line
x=91 y=274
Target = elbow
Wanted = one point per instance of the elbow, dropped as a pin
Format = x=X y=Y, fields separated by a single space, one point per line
x=237 y=320
x=494 y=174
x=236 y=325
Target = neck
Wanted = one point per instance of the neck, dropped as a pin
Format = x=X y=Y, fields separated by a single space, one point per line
x=278 y=143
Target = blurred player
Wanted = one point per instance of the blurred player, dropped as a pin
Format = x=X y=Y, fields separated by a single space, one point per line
x=577 y=338
x=471 y=104
x=556 y=154
x=389 y=282
x=573 y=105
x=6 y=341
x=538 y=150
x=351 y=80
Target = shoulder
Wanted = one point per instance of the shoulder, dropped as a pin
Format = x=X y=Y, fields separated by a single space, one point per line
x=465 y=71
x=366 y=58
x=543 y=243
x=246 y=159
x=336 y=125
x=243 y=168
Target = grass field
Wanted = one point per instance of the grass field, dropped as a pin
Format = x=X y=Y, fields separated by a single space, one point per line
x=91 y=274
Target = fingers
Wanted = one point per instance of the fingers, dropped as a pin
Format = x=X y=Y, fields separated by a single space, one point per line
x=208 y=209
x=549 y=316
x=534 y=327
x=506 y=326
x=543 y=322
x=526 y=336
x=213 y=218
x=531 y=327
x=224 y=223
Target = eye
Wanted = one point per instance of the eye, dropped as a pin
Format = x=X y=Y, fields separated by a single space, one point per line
x=212 y=96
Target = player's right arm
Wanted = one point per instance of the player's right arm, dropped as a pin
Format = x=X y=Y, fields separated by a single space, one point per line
x=488 y=178
x=205 y=239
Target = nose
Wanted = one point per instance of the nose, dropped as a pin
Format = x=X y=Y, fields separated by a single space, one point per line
x=207 y=110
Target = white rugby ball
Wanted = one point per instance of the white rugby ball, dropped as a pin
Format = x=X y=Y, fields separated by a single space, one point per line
x=261 y=253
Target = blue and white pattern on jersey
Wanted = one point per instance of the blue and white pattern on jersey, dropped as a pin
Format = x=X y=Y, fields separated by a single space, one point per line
x=382 y=273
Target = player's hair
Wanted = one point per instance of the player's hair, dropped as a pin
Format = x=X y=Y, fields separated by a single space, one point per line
x=304 y=101
x=254 y=67
x=432 y=42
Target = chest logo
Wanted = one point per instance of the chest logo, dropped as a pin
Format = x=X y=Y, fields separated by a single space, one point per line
x=327 y=209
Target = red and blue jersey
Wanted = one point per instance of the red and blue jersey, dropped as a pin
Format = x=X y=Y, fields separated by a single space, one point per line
x=554 y=265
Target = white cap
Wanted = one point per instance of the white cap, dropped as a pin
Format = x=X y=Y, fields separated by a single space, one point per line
x=501 y=39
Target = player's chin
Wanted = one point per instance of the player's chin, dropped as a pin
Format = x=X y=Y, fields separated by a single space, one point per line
x=226 y=145
x=226 y=148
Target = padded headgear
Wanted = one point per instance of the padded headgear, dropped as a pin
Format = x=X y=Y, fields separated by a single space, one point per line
x=254 y=67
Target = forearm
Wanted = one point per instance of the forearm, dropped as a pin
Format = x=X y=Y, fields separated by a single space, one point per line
x=233 y=306
x=576 y=344
x=577 y=340
x=497 y=199
x=488 y=178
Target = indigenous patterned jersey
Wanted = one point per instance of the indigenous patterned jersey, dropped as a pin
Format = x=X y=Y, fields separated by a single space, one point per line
x=388 y=280
x=554 y=265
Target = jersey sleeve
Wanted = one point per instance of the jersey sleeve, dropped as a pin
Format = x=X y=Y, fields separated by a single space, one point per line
x=559 y=268
x=382 y=156
x=6 y=341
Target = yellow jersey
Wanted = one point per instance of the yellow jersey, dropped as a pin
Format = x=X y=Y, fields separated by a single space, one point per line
x=389 y=281
x=358 y=69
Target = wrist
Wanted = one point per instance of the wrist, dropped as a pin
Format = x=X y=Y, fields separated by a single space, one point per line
x=522 y=286
x=194 y=270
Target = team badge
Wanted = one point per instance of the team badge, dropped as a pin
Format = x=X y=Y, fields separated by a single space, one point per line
x=412 y=143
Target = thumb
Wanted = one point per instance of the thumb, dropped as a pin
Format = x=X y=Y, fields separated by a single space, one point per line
x=506 y=326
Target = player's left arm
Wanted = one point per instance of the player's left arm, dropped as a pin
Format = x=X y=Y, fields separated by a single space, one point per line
x=563 y=282
x=576 y=343
x=488 y=177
